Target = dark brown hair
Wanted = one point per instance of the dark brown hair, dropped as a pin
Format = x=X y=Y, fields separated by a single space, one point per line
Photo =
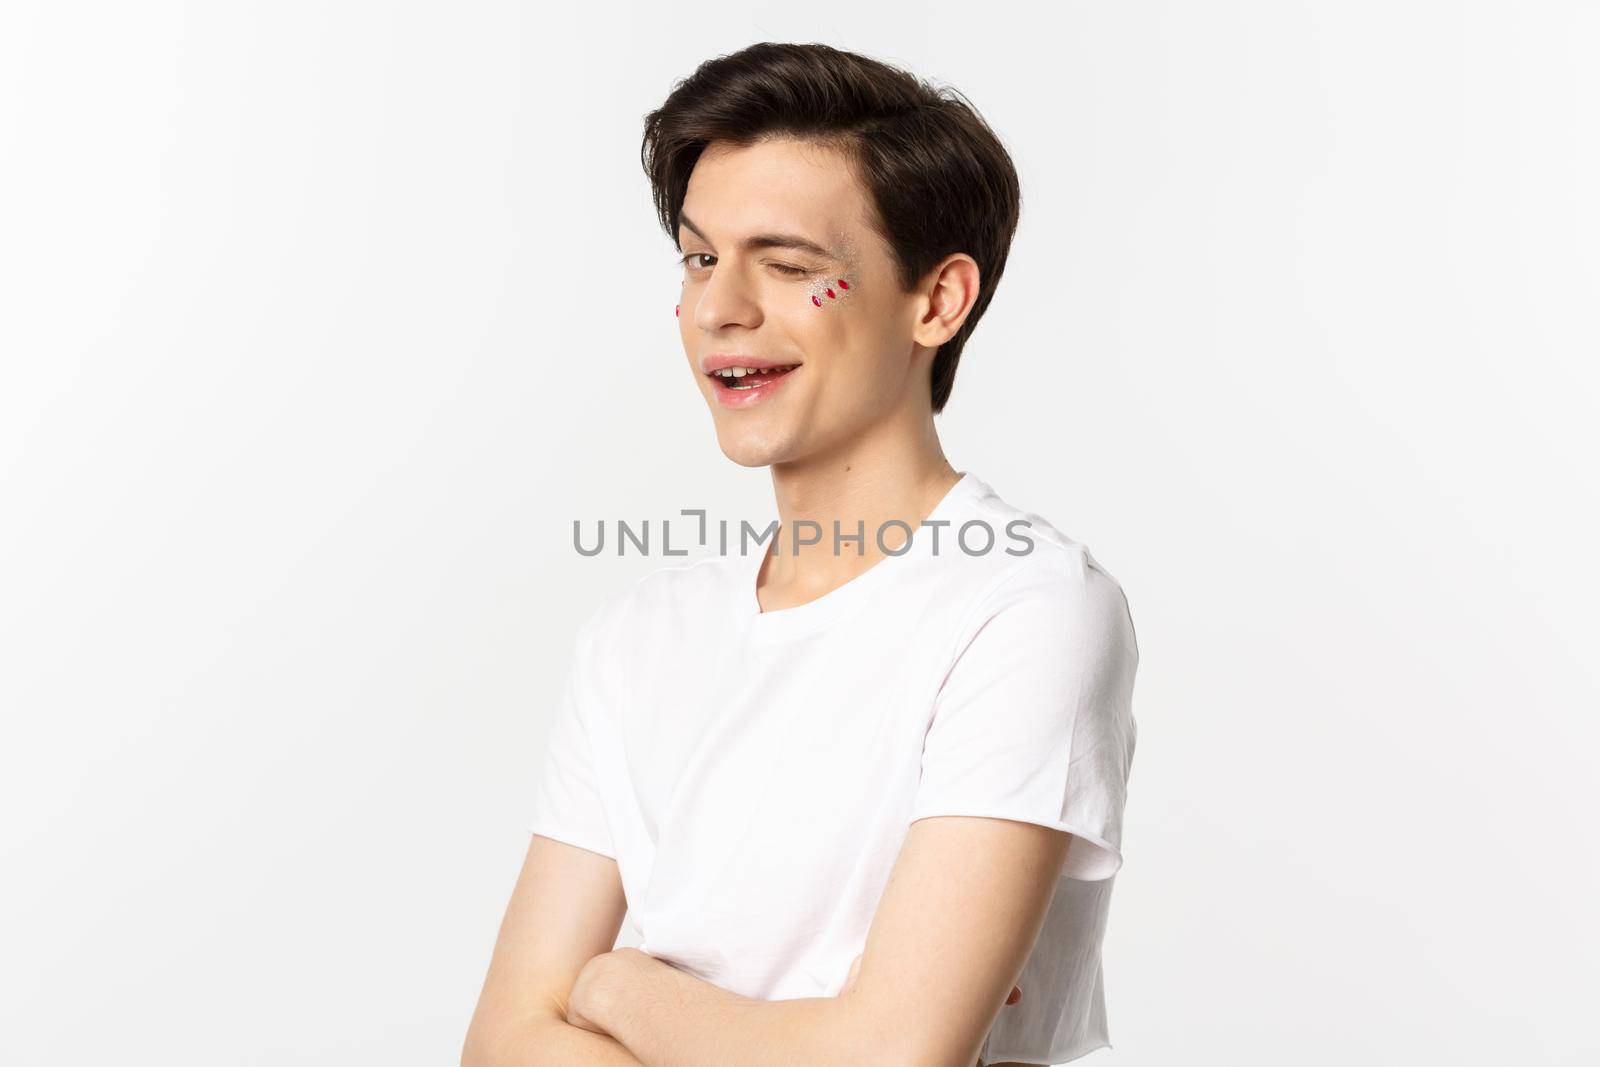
x=939 y=178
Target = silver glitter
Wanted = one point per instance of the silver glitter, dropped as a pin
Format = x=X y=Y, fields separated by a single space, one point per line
x=826 y=290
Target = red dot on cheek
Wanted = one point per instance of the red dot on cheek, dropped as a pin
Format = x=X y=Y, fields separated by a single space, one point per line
x=815 y=301
x=843 y=284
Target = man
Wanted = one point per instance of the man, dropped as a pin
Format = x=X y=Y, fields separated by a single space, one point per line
x=862 y=791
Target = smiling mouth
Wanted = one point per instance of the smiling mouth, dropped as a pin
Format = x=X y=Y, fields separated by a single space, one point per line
x=741 y=379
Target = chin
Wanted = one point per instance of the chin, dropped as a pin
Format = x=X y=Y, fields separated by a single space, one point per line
x=749 y=448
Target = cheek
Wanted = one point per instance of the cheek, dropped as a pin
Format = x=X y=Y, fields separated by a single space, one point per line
x=826 y=293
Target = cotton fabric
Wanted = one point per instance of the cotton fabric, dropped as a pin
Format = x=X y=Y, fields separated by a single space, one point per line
x=754 y=773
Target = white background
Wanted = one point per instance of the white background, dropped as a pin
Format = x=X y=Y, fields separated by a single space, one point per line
x=322 y=322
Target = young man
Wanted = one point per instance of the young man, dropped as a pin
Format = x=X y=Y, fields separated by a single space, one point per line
x=859 y=789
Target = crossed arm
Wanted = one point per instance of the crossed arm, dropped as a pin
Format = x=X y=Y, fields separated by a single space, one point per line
x=961 y=911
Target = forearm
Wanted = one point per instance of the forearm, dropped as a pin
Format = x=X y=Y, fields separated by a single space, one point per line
x=668 y=1018
x=553 y=1042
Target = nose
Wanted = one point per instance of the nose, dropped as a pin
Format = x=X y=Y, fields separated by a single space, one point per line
x=727 y=299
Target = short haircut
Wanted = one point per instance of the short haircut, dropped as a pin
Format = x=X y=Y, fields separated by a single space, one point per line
x=937 y=175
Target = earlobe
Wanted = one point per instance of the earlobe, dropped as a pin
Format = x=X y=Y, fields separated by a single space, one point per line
x=934 y=326
x=954 y=292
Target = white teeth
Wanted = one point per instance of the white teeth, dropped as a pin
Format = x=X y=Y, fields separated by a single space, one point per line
x=740 y=372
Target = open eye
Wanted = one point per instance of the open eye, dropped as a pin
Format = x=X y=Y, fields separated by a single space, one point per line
x=688 y=259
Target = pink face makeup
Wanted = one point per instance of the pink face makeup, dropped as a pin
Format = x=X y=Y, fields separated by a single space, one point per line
x=833 y=290
x=829 y=290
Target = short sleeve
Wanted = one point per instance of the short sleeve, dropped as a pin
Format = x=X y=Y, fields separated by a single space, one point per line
x=568 y=805
x=1034 y=720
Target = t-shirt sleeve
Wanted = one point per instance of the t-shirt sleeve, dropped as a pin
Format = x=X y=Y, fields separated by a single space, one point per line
x=1034 y=719
x=567 y=803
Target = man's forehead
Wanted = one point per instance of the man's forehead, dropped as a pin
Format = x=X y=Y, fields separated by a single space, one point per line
x=791 y=169
x=774 y=188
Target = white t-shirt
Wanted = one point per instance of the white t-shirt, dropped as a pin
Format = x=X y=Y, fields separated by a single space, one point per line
x=754 y=773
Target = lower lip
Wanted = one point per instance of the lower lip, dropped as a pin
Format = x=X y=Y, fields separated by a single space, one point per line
x=754 y=394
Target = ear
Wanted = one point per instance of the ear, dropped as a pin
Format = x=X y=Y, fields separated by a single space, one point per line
x=949 y=291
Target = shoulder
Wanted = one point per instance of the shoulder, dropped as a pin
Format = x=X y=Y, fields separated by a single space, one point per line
x=1054 y=584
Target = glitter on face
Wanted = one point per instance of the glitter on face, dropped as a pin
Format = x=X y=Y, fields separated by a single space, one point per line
x=825 y=291
x=829 y=291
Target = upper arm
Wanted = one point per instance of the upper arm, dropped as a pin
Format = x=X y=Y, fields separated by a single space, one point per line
x=1024 y=774
x=566 y=908
x=961 y=911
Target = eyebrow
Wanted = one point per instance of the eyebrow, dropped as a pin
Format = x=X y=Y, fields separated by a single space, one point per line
x=759 y=241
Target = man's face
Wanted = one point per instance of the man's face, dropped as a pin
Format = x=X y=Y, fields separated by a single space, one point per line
x=833 y=315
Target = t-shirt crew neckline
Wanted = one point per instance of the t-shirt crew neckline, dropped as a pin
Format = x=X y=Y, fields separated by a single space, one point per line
x=806 y=618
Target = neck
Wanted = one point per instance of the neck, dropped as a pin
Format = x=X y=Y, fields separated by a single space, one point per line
x=872 y=481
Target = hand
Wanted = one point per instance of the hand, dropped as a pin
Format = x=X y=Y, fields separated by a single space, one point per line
x=583 y=1003
x=603 y=979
